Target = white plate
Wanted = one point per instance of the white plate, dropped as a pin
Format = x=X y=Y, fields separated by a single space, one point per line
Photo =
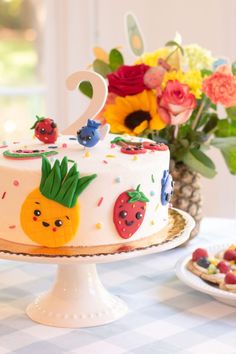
x=199 y=284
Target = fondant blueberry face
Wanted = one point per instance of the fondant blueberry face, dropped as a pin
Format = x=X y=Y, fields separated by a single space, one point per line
x=167 y=188
x=47 y=222
x=89 y=135
x=129 y=212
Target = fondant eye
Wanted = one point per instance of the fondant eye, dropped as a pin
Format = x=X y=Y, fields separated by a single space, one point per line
x=58 y=223
x=89 y=138
x=123 y=214
x=139 y=215
x=42 y=131
x=37 y=212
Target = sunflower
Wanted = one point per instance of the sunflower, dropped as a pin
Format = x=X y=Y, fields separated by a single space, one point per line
x=133 y=114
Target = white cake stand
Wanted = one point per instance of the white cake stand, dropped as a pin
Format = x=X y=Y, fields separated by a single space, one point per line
x=78 y=298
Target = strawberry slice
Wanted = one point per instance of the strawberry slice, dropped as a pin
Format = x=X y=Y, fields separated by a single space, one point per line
x=129 y=212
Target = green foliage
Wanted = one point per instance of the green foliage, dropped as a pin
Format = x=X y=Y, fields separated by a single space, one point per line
x=200 y=162
x=225 y=128
x=231 y=112
x=115 y=59
x=86 y=88
x=175 y=44
x=101 y=67
x=227 y=146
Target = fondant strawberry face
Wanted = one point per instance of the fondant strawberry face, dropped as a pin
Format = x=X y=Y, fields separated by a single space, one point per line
x=45 y=130
x=129 y=212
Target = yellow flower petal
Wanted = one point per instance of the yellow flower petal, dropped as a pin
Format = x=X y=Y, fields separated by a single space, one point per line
x=117 y=112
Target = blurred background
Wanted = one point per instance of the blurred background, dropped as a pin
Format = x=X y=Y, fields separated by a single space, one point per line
x=42 y=41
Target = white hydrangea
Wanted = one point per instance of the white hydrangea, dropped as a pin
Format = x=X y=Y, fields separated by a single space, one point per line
x=197 y=58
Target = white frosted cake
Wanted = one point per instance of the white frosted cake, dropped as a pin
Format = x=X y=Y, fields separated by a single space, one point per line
x=121 y=193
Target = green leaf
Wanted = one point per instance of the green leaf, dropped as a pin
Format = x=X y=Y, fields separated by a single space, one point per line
x=56 y=176
x=200 y=162
x=45 y=171
x=64 y=167
x=101 y=67
x=225 y=128
x=115 y=59
x=211 y=123
x=83 y=182
x=227 y=147
x=233 y=68
x=231 y=111
x=175 y=44
x=206 y=72
x=86 y=88
x=135 y=38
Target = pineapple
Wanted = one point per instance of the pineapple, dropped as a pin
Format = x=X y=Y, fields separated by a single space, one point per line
x=50 y=214
x=187 y=192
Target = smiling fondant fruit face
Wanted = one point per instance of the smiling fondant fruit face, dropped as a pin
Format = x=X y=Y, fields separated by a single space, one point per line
x=50 y=214
x=47 y=222
x=129 y=212
x=45 y=129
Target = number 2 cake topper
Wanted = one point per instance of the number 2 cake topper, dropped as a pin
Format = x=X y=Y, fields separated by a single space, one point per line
x=89 y=132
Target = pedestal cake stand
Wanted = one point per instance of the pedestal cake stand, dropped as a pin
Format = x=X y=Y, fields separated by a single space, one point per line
x=78 y=298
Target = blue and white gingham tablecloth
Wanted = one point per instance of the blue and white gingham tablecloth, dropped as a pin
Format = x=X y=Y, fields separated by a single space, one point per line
x=165 y=315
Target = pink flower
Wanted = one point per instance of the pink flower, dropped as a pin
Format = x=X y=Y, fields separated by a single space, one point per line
x=176 y=103
x=220 y=87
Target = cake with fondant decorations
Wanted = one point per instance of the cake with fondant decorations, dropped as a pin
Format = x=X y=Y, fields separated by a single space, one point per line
x=84 y=188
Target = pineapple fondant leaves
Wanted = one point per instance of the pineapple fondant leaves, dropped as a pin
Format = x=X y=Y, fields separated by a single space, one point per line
x=61 y=185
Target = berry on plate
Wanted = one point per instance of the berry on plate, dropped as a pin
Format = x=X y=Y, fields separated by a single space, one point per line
x=230 y=255
x=199 y=253
x=230 y=278
x=223 y=267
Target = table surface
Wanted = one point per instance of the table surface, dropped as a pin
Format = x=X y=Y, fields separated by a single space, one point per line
x=165 y=316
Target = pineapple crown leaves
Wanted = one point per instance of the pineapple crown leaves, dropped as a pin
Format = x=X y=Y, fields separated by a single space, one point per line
x=61 y=185
x=39 y=119
x=137 y=196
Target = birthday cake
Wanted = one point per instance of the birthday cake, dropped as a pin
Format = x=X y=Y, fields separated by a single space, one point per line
x=89 y=189
x=80 y=197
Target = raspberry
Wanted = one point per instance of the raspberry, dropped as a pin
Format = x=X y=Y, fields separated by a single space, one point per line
x=223 y=267
x=199 y=253
x=230 y=278
x=230 y=255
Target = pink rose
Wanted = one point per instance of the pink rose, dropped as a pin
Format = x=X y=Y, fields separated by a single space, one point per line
x=220 y=87
x=127 y=80
x=176 y=103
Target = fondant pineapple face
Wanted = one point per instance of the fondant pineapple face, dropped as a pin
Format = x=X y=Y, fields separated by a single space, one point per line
x=47 y=222
x=50 y=214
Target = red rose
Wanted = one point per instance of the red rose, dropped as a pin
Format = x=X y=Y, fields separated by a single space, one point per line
x=176 y=103
x=128 y=80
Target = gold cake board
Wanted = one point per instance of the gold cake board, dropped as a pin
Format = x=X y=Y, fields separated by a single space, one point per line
x=176 y=225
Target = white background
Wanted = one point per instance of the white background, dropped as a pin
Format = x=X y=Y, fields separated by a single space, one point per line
x=74 y=27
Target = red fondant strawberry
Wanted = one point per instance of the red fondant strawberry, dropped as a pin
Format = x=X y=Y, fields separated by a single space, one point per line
x=129 y=212
x=230 y=255
x=45 y=130
x=223 y=267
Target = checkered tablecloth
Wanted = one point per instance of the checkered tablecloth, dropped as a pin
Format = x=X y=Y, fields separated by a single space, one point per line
x=165 y=315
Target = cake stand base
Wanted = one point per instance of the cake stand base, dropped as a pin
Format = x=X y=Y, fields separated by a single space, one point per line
x=77 y=299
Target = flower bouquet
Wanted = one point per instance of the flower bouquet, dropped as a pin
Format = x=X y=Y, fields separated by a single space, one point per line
x=173 y=95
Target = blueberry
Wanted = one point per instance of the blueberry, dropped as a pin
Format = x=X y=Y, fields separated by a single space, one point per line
x=203 y=262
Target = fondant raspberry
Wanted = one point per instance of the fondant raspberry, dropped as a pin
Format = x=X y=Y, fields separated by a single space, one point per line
x=230 y=255
x=230 y=278
x=199 y=253
x=223 y=267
